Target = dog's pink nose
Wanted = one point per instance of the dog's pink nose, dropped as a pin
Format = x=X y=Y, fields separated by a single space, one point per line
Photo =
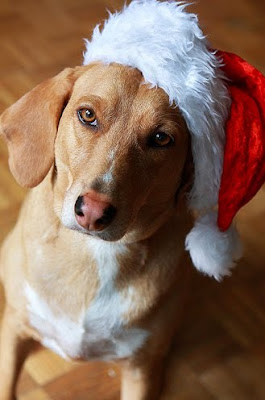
x=94 y=212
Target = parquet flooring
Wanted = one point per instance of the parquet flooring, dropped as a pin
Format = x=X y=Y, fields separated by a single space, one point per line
x=219 y=352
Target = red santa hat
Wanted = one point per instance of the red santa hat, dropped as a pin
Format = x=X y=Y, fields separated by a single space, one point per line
x=221 y=98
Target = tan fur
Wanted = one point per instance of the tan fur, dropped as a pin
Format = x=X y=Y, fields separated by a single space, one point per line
x=147 y=188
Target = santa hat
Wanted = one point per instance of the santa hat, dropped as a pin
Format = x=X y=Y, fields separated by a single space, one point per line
x=220 y=97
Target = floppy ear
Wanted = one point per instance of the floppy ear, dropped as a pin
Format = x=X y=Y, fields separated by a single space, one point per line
x=29 y=127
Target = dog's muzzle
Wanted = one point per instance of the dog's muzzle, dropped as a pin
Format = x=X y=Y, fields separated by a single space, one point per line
x=94 y=212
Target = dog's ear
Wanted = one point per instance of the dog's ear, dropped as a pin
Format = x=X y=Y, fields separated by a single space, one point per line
x=30 y=125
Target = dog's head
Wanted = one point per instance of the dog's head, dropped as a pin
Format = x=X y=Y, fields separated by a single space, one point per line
x=115 y=147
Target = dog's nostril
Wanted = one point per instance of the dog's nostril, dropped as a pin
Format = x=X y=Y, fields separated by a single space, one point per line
x=109 y=214
x=78 y=206
x=107 y=217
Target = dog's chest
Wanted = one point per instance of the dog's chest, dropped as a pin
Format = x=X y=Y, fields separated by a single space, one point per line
x=100 y=329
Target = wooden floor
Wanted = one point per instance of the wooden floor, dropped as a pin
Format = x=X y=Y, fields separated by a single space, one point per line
x=220 y=350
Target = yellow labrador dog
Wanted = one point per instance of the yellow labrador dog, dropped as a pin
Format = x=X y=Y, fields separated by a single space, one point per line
x=95 y=267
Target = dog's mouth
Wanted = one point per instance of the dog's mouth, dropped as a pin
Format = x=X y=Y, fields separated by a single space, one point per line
x=112 y=233
x=105 y=216
x=94 y=214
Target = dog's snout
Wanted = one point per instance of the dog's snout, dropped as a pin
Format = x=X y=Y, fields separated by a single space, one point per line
x=94 y=212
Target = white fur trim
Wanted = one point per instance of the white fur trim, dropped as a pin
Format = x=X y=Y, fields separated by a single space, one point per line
x=166 y=44
x=213 y=252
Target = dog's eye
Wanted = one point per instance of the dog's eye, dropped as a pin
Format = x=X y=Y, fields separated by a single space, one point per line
x=87 y=116
x=160 y=139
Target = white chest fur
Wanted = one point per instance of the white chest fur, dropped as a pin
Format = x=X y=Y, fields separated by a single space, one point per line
x=100 y=330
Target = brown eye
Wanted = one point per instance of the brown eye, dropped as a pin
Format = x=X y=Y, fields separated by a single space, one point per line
x=87 y=116
x=160 y=139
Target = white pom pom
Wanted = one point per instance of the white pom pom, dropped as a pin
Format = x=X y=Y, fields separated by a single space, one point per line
x=213 y=252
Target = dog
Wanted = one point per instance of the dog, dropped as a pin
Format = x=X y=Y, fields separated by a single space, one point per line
x=117 y=153
x=95 y=266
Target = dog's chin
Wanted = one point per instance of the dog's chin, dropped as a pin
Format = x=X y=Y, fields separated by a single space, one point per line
x=109 y=234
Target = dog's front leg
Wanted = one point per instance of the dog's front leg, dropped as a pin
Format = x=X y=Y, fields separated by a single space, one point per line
x=142 y=381
x=14 y=346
